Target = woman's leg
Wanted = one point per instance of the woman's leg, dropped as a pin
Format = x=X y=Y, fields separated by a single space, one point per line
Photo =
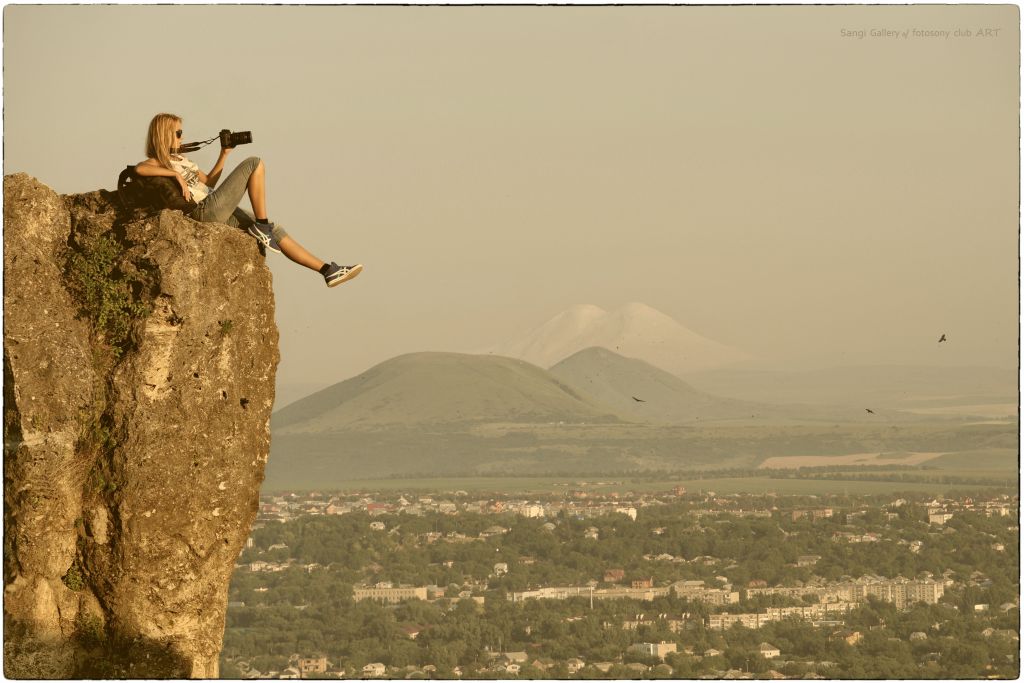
x=257 y=187
x=221 y=203
x=289 y=247
x=296 y=252
x=334 y=274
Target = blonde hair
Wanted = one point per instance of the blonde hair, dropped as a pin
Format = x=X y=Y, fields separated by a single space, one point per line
x=160 y=138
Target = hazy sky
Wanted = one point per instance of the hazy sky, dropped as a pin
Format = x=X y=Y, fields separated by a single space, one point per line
x=810 y=197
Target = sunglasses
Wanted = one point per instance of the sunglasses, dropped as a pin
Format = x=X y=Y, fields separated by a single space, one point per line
x=177 y=133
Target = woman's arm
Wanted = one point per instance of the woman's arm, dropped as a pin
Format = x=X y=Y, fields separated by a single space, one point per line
x=213 y=178
x=152 y=167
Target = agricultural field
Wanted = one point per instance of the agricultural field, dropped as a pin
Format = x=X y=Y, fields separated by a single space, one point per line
x=796 y=461
x=722 y=485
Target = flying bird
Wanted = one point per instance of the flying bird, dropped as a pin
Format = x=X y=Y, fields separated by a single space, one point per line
x=639 y=400
x=942 y=339
x=870 y=411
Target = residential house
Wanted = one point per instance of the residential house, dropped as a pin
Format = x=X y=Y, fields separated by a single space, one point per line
x=628 y=511
x=852 y=637
x=822 y=513
x=532 y=511
x=389 y=594
x=308 y=665
x=411 y=631
x=374 y=670
x=574 y=664
x=1007 y=633
x=768 y=651
x=658 y=650
x=614 y=575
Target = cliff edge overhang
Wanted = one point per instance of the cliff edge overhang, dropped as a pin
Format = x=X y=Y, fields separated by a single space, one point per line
x=139 y=362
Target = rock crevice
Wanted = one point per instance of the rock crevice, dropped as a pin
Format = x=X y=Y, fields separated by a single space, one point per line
x=139 y=362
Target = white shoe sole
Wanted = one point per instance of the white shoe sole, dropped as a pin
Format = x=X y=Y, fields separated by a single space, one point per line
x=347 y=276
x=263 y=239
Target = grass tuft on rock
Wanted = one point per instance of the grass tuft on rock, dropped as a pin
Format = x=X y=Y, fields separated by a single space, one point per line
x=106 y=296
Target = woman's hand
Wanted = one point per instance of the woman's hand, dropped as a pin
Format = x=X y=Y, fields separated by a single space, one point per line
x=213 y=178
x=184 y=187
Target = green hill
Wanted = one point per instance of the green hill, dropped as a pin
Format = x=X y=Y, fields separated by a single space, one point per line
x=448 y=414
x=434 y=413
x=440 y=391
x=617 y=382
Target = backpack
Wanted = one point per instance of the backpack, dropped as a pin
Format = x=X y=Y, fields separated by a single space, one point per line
x=153 y=193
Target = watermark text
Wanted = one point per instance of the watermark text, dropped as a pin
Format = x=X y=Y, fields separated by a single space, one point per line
x=982 y=32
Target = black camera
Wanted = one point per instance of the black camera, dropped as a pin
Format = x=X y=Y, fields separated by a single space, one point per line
x=229 y=139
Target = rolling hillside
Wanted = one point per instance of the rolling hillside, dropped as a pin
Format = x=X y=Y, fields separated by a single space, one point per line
x=448 y=414
x=618 y=382
x=438 y=391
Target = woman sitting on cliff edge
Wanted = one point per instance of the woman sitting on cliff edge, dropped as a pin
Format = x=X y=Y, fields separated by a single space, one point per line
x=221 y=205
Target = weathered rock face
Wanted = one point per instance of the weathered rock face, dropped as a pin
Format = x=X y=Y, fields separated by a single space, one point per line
x=139 y=361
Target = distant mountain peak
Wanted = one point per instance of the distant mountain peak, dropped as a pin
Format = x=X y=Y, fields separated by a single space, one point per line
x=637 y=308
x=634 y=330
x=584 y=309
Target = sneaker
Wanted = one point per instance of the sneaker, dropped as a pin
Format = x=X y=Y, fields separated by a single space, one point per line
x=338 y=274
x=263 y=234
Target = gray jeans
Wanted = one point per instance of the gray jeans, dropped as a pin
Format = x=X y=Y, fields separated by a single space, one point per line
x=221 y=205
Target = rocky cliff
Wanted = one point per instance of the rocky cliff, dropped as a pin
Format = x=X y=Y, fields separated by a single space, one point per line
x=139 y=361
